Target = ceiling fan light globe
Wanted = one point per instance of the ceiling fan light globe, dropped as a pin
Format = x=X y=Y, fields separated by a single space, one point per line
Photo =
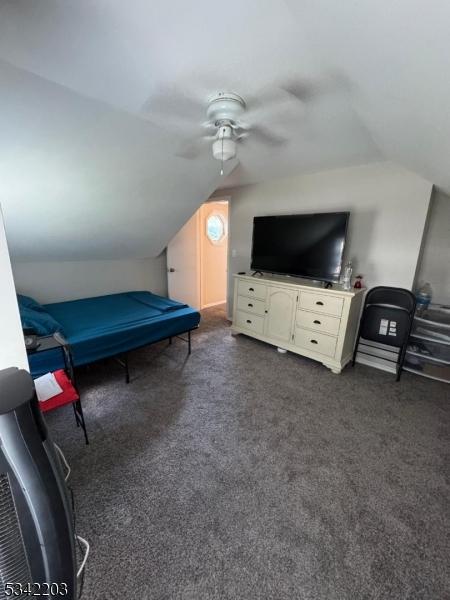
x=224 y=149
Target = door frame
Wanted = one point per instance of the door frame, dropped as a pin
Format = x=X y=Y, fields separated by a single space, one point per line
x=223 y=199
x=195 y=217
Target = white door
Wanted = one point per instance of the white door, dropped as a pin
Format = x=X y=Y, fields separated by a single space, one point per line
x=280 y=306
x=183 y=264
x=214 y=252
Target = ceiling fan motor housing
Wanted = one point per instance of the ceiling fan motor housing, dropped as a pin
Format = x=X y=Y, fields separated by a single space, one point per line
x=224 y=111
x=225 y=107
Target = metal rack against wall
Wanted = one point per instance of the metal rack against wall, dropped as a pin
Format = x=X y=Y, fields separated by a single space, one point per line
x=428 y=352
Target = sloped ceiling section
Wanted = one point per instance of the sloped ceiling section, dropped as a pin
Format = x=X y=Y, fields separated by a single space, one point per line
x=88 y=169
x=396 y=58
x=79 y=179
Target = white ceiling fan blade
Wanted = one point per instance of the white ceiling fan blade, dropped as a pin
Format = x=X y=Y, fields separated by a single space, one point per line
x=274 y=117
x=303 y=90
x=171 y=100
x=193 y=149
x=266 y=136
x=173 y=109
x=270 y=103
x=208 y=126
x=243 y=135
x=309 y=89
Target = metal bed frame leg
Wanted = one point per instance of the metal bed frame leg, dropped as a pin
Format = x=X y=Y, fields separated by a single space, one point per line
x=127 y=371
x=81 y=417
x=188 y=340
x=77 y=418
x=122 y=359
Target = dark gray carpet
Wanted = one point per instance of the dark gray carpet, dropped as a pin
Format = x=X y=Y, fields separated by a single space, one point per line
x=242 y=473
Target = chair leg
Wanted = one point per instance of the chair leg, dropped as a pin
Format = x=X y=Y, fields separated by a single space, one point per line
x=77 y=419
x=401 y=360
x=404 y=348
x=355 y=351
x=170 y=341
x=83 y=422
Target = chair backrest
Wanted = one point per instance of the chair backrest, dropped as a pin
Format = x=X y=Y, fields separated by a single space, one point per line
x=392 y=297
x=385 y=325
x=387 y=315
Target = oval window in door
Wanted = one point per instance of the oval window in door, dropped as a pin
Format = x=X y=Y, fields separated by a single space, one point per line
x=215 y=228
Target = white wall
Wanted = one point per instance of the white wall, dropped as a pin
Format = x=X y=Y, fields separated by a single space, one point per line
x=388 y=207
x=12 y=348
x=57 y=281
x=434 y=266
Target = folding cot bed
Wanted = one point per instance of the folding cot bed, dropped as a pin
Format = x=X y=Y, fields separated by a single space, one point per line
x=106 y=326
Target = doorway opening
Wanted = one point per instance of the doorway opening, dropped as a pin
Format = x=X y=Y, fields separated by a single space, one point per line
x=197 y=257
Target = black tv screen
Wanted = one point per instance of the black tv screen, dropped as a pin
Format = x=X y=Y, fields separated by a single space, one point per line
x=309 y=245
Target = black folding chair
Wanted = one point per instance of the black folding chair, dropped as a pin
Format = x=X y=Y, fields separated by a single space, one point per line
x=387 y=318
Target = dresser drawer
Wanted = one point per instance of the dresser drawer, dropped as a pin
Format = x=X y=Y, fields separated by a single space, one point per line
x=315 y=341
x=256 y=307
x=252 y=289
x=321 y=303
x=253 y=323
x=318 y=322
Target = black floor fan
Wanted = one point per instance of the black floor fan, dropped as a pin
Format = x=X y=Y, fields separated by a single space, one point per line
x=387 y=319
x=37 y=553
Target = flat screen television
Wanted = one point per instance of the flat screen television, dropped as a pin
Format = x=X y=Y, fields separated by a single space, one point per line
x=308 y=245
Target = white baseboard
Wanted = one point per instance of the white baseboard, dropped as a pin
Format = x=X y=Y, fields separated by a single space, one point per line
x=211 y=304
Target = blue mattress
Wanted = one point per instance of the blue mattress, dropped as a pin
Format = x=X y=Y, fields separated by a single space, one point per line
x=106 y=326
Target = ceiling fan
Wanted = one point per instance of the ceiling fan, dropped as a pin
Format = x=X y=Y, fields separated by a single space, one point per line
x=230 y=120
x=223 y=114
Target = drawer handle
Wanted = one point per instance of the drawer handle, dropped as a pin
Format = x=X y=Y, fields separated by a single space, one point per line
x=317 y=322
x=251 y=290
x=250 y=304
x=314 y=341
x=319 y=303
x=248 y=321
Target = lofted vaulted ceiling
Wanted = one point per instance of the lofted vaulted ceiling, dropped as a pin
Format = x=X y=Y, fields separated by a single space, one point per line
x=89 y=169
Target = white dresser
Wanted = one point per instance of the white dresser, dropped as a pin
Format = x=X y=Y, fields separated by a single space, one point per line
x=309 y=320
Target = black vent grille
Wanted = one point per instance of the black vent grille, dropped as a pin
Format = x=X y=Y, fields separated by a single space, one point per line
x=13 y=561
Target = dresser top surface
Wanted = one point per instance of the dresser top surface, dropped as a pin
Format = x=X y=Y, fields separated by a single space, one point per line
x=296 y=282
